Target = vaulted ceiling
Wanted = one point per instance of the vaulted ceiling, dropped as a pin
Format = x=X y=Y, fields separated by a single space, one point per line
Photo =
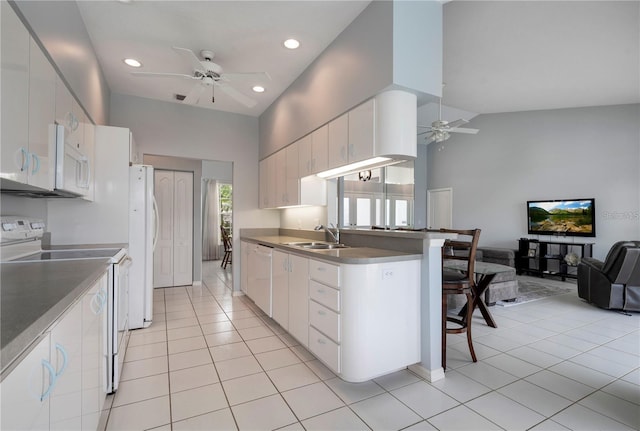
x=498 y=56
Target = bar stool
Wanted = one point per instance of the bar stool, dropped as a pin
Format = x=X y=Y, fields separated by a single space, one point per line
x=458 y=282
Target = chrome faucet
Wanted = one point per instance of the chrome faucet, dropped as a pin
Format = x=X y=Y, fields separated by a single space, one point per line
x=335 y=234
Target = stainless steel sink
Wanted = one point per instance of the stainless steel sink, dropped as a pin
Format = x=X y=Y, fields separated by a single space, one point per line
x=325 y=246
x=317 y=245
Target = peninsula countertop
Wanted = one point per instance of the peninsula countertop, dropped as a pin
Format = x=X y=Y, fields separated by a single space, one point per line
x=35 y=294
x=349 y=255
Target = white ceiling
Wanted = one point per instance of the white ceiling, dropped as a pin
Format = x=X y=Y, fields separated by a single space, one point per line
x=499 y=56
x=246 y=36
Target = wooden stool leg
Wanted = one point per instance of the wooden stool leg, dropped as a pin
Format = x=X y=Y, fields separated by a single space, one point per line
x=469 y=317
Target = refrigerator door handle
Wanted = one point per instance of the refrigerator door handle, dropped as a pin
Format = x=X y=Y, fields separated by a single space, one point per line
x=156 y=223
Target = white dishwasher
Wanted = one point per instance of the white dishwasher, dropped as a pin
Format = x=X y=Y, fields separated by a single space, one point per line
x=259 y=278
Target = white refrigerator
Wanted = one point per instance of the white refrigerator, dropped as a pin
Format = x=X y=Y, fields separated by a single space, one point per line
x=143 y=224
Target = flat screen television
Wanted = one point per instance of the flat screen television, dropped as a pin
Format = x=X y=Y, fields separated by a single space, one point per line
x=567 y=217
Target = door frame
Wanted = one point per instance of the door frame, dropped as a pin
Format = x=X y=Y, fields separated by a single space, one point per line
x=431 y=203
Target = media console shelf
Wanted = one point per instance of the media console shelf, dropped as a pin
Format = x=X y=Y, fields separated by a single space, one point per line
x=543 y=258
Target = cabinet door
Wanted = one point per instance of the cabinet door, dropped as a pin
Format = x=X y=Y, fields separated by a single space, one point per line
x=183 y=229
x=281 y=178
x=320 y=150
x=280 y=288
x=299 y=299
x=94 y=373
x=26 y=390
x=66 y=358
x=263 y=191
x=14 y=110
x=339 y=141
x=361 y=132
x=163 y=254
x=304 y=156
x=42 y=105
x=64 y=107
x=293 y=175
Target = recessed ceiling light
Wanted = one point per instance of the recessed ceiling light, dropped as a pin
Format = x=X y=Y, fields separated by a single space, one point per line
x=132 y=62
x=291 y=43
x=258 y=89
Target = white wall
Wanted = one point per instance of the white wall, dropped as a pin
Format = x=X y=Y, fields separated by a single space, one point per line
x=216 y=170
x=171 y=129
x=389 y=44
x=551 y=154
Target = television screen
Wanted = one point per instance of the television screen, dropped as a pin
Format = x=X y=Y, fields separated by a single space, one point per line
x=575 y=217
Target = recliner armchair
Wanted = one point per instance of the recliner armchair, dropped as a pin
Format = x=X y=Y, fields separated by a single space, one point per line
x=614 y=283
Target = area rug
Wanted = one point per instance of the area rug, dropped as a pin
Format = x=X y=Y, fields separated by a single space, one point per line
x=535 y=288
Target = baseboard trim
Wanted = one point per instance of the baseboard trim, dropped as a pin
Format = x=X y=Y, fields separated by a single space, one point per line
x=238 y=293
x=428 y=375
x=197 y=283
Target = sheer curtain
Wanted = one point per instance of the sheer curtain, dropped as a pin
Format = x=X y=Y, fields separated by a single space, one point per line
x=211 y=221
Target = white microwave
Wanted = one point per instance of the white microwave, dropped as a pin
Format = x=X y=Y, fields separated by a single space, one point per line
x=73 y=170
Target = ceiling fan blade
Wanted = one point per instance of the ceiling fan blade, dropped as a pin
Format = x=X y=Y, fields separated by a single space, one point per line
x=465 y=130
x=194 y=95
x=163 y=75
x=245 y=100
x=457 y=123
x=188 y=55
x=247 y=75
x=425 y=132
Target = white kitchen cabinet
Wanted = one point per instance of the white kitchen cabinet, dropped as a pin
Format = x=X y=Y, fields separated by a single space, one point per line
x=42 y=105
x=25 y=391
x=268 y=182
x=305 y=167
x=66 y=359
x=339 y=141
x=14 y=77
x=94 y=372
x=361 y=132
x=320 y=149
x=281 y=178
x=359 y=312
x=299 y=298
x=292 y=181
x=280 y=288
x=89 y=150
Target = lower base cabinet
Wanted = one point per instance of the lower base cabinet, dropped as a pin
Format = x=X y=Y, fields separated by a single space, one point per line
x=61 y=383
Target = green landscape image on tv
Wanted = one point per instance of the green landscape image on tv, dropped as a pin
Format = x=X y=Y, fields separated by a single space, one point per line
x=562 y=217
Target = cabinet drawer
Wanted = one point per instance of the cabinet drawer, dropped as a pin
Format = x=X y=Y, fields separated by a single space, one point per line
x=324 y=295
x=325 y=320
x=324 y=273
x=325 y=349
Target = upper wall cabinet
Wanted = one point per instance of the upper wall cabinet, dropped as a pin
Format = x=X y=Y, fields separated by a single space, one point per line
x=42 y=105
x=339 y=141
x=15 y=96
x=362 y=122
x=304 y=156
x=320 y=149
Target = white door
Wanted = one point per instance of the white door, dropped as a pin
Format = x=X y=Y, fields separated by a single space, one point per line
x=163 y=254
x=439 y=208
x=183 y=229
x=173 y=256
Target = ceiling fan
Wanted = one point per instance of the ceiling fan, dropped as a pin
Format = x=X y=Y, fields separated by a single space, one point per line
x=440 y=129
x=208 y=75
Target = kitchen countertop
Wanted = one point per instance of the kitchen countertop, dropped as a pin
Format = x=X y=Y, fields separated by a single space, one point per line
x=350 y=255
x=34 y=294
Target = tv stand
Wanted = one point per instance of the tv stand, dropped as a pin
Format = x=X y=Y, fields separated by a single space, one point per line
x=547 y=258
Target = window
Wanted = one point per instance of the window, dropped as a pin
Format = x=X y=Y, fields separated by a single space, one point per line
x=384 y=200
x=225 y=193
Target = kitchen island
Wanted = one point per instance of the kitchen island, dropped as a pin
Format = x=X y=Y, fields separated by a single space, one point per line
x=370 y=247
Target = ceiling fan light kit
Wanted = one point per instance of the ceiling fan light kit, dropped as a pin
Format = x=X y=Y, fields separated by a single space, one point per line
x=440 y=128
x=209 y=75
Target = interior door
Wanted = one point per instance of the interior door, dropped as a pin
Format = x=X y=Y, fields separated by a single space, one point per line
x=439 y=208
x=173 y=256
x=163 y=254
x=183 y=229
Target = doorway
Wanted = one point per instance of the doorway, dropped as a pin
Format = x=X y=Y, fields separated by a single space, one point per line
x=439 y=208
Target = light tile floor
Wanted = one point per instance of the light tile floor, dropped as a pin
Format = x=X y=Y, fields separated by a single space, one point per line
x=212 y=361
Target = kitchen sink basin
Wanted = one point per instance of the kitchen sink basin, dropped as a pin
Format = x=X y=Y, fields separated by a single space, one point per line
x=317 y=245
x=325 y=246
